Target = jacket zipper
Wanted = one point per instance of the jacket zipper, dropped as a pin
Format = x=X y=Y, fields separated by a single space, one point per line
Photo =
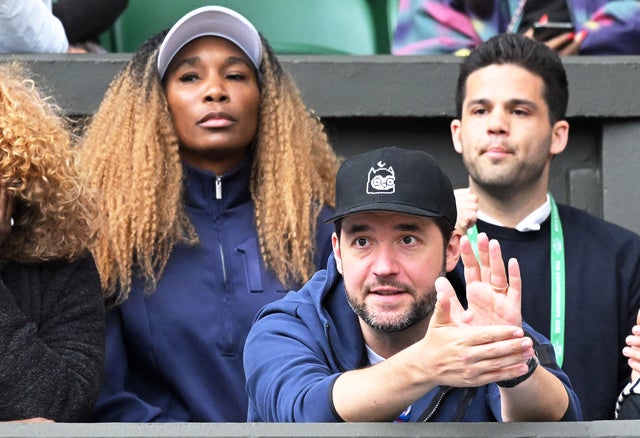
x=435 y=404
x=331 y=350
x=218 y=187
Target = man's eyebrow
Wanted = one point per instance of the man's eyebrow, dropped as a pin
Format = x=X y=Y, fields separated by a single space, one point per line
x=481 y=101
x=526 y=102
x=510 y=102
x=408 y=226
x=404 y=226
x=357 y=228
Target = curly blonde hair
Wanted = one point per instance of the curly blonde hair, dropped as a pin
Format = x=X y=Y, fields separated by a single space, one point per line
x=53 y=214
x=132 y=154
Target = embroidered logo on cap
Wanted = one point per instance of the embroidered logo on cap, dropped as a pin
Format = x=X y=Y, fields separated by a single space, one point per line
x=381 y=180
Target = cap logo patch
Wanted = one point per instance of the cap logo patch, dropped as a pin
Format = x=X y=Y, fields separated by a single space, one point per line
x=381 y=179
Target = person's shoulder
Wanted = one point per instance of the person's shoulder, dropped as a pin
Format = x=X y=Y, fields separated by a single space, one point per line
x=574 y=219
x=82 y=263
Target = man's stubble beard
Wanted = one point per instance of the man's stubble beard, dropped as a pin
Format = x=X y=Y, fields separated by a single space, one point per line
x=418 y=311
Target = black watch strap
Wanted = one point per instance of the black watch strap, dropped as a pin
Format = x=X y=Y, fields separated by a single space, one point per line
x=532 y=363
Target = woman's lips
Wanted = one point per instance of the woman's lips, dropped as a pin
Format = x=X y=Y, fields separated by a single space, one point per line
x=216 y=120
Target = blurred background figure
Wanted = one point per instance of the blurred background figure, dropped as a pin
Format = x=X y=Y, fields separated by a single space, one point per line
x=85 y=20
x=594 y=27
x=29 y=26
x=51 y=307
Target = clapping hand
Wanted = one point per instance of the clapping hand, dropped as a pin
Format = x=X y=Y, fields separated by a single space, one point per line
x=492 y=298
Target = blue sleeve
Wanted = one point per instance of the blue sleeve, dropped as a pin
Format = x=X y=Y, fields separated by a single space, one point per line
x=117 y=402
x=288 y=378
x=29 y=26
x=614 y=29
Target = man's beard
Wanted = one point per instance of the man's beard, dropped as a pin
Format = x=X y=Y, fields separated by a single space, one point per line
x=418 y=311
x=505 y=183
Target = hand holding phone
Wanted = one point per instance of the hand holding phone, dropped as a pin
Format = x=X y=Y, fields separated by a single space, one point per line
x=549 y=30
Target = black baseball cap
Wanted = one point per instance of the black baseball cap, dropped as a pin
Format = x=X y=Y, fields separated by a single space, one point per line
x=396 y=180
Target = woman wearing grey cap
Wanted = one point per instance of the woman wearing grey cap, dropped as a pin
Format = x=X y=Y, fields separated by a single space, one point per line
x=215 y=182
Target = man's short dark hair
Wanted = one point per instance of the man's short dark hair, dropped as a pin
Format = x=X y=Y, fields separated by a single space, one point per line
x=533 y=56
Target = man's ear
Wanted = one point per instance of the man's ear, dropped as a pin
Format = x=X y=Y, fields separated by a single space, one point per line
x=453 y=251
x=335 y=243
x=559 y=137
x=455 y=135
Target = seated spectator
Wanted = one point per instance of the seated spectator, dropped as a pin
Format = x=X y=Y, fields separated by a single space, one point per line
x=601 y=27
x=51 y=307
x=628 y=405
x=85 y=20
x=215 y=180
x=28 y=26
x=583 y=273
x=380 y=335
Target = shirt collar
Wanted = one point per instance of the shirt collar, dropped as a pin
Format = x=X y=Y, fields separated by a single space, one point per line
x=530 y=223
x=373 y=357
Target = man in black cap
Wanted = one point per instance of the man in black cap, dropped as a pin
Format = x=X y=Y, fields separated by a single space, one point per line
x=380 y=335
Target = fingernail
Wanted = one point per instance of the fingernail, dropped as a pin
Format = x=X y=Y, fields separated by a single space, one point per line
x=571 y=36
x=544 y=19
x=582 y=35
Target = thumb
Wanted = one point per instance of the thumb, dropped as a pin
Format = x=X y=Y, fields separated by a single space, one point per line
x=442 y=311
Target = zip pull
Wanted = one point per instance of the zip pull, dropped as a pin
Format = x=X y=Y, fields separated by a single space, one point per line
x=218 y=187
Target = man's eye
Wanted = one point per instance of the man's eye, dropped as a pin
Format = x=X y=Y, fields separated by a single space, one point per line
x=408 y=240
x=361 y=241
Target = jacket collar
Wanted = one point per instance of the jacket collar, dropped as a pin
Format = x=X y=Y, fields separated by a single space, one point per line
x=200 y=186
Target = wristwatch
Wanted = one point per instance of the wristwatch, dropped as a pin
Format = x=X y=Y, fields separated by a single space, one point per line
x=531 y=363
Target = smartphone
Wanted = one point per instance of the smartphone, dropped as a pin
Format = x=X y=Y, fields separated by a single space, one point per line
x=546 y=31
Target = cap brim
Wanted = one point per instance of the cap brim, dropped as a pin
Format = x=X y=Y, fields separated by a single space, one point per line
x=211 y=21
x=387 y=207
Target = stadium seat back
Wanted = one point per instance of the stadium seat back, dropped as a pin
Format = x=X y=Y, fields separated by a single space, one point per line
x=291 y=26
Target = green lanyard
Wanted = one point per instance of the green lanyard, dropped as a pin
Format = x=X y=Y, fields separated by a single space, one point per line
x=557 y=278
